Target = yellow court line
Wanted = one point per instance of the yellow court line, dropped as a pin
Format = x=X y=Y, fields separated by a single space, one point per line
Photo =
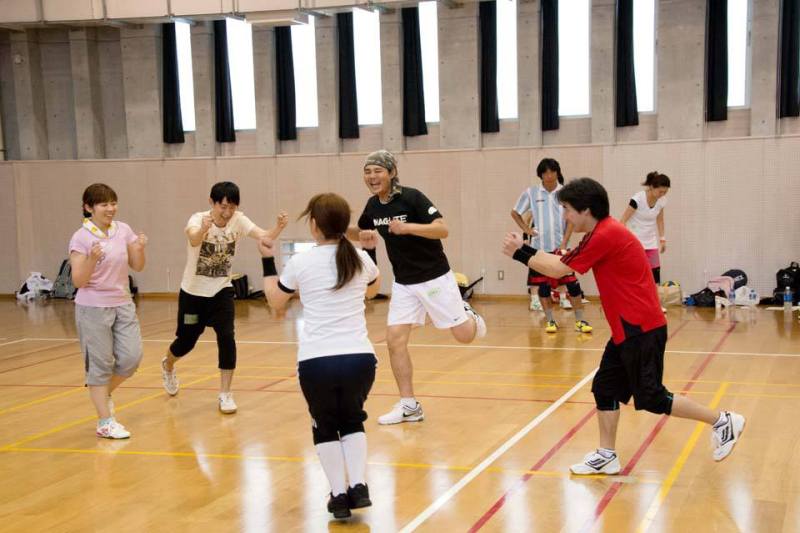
x=675 y=471
x=289 y=459
x=85 y=419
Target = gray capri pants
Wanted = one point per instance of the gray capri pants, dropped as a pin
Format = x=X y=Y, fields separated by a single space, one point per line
x=111 y=341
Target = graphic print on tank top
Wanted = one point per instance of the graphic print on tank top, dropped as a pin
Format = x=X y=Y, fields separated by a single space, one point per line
x=216 y=257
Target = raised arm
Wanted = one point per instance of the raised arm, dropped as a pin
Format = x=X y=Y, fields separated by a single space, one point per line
x=136 y=256
x=196 y=234
x=548 y=264
x=277 y=297
x=83 y=265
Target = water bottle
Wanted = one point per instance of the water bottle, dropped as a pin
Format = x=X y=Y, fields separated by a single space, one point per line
x=752 y=297
x=787 y=300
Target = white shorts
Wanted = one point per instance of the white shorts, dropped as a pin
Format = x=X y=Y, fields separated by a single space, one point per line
x=439 y=298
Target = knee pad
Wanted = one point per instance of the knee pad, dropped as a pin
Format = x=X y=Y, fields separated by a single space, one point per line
x=544 y=290
x=226 y=345
x=183 y=344
x=659 y=403
x=574 y=289
x=605 y=403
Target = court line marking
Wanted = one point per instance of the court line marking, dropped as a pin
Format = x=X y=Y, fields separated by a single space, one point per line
x=614 y=489
x=85 y=419
x=14 y=341
x=472 y=474
x=460 y=346
x=677 y=467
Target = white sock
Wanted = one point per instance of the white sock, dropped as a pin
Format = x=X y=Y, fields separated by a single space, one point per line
x=608 y=453
x=411 y=403
x=332 y=459
x=354 y=447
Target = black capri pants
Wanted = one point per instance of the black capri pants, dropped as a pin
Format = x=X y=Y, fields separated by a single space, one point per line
x=197 y=312
x=335 y=388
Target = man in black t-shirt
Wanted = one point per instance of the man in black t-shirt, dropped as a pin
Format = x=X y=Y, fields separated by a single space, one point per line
x=412 y=228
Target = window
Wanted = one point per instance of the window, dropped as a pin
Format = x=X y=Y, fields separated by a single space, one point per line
x=507 y=58
x=183 y=42
x=304 y=55
x=573 y=57
x=644 y=52
x=429 y=42
x=240 y=60
x=737 y=52
x=367 y=47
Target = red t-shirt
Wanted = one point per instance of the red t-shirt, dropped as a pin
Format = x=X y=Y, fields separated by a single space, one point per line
x=627 y=289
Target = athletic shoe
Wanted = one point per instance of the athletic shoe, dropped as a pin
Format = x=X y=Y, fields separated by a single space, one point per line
x=480 y=325
x=536 y=303
x=551 y=327
x=358 y=496
x=110 y=403
x=595 y=463
x=725 y=436
x=583 y=326
x=565 y=303
x=169 y=378
x=112 y=430
x=663 y=309
x=339 y=506
x=226 y=403
x=401 y=413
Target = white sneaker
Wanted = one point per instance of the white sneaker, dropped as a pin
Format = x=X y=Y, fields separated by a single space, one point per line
x=401 y=413
x=565 y=303
x=226 y=403
x=725 y=436
x=169 y=378
x=112 y=430
x=536 y=303
x=595 y=463
x=480 y=331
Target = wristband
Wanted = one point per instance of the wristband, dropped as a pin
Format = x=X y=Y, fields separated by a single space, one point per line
x=524 y=254
x=268 y=266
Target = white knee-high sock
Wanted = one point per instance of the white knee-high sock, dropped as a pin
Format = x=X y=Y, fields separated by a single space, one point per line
x=354 y=446
x=332 y=459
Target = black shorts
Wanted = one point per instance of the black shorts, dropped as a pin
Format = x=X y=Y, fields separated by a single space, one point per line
x=635 y=368
x=199 y=312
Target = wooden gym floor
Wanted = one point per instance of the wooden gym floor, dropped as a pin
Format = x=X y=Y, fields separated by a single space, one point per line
x=505 y=417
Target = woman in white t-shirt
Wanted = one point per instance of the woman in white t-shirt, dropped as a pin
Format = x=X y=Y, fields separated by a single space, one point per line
x=336 y=361
x=644 y=216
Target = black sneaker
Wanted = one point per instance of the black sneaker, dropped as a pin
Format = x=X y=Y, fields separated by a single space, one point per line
x=358 y=496
x=338 y=505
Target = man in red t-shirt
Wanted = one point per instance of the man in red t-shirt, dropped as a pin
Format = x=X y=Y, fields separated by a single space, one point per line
x=633 y=360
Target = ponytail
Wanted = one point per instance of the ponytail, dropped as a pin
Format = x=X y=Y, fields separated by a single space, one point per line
x=348 y=263
x=655 y=179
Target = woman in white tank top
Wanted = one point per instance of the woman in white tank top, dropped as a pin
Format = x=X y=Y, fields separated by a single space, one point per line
x=644 y=216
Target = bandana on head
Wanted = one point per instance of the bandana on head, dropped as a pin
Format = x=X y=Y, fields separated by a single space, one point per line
x=385 y=159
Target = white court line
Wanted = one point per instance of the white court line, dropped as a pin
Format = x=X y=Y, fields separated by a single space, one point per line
x=462 y=346
x=13 y=342
x=472 y=474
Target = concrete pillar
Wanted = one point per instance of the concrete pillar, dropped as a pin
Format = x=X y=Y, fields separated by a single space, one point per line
x=30 y=113
x=88 y=107
x=327 y=49
x=112 y=97
x=58 y=102
x=459 y=89
x=264 y=74
x=8 y=125
x=680 y=99
x=203 y=71
x=764 y=71
x=602 y=71
x=528 y=76
x=392 y=80
x=141 y=79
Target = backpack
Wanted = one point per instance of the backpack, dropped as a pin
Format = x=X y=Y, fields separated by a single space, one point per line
x=788 y=277
x=739 y=277
x=62 y=286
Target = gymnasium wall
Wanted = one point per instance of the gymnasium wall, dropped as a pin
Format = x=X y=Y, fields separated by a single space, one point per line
x=80 y=105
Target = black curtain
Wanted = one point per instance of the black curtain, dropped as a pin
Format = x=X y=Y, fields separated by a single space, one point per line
x=284 y=77
x=172 y=119
x=413 y=95
x=790 y=59
x=549 y=31
x=348 y=101
x=627 y=107
x=490 y=122
x=223 y=103
x=717 y=60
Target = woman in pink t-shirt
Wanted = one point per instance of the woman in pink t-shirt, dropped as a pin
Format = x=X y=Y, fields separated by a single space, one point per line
x=100 y=253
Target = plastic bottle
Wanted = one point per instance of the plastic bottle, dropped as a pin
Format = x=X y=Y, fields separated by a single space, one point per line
x=787 y=300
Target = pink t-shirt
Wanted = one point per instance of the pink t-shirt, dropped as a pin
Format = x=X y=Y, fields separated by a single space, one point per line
x=108 y=286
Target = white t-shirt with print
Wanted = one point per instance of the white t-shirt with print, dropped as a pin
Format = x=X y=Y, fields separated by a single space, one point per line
x=333 y=321
x=643 y=221
x=208 y=266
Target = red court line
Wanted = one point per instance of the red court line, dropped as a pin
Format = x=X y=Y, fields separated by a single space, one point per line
x=546 y=457
x=612 y=491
